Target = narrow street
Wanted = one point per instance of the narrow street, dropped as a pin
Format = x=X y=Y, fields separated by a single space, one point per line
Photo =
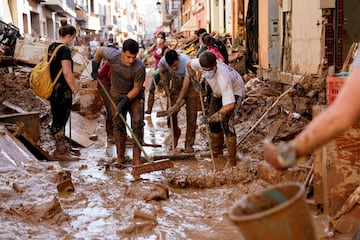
x=88 y=199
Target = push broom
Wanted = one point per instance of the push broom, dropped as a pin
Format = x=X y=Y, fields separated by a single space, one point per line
x=150 y=165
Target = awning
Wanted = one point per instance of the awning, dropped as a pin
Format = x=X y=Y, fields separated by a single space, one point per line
x=190 y=25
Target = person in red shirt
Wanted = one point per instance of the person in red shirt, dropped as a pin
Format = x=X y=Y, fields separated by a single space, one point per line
x=104 y=76
x=158 y=50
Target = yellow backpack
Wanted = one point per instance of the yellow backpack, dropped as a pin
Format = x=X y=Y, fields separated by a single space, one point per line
x=40 y=77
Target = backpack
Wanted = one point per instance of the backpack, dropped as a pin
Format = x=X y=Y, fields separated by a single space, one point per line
x=222 y=49
x=40 y=78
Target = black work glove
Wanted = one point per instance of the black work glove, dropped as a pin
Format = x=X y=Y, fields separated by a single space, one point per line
x=217 y=117
x=95 y=70
x=124 y=105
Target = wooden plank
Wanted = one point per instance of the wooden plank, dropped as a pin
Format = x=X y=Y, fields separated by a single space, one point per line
x=31 y=122
x=273 y=130
x=13 y=107
x=81 y=129
x=13 y=153
x=339 y=173
x=319 y=168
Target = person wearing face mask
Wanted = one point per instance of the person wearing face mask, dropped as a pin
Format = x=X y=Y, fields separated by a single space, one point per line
x=202 y=48
x=175 y=78
x=227 y=88
x=61 y=97
x=158 y=51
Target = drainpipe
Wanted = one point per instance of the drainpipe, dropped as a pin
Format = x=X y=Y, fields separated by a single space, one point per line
x=283 y=41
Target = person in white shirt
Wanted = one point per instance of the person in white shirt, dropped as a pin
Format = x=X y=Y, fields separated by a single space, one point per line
x=227 y=88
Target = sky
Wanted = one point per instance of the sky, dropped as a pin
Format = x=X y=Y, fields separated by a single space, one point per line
x=152 y=18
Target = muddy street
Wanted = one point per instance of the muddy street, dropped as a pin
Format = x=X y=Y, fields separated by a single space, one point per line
x=92 y=199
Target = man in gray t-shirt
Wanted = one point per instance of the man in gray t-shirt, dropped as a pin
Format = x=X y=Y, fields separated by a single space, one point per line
x=127 y=78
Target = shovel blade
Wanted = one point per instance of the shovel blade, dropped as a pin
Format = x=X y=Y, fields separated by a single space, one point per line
x=151 y=167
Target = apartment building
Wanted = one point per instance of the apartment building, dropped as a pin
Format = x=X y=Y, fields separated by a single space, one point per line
x=94 y=19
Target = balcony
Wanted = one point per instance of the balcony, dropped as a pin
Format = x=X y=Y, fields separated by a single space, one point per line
x=81 y=19
x=65 y=8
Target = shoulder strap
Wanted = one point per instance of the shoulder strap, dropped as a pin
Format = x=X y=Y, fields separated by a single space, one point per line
x=52 y=57
x=55 y=51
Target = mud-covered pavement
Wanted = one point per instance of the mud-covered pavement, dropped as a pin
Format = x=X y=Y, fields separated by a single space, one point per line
x=87 y=199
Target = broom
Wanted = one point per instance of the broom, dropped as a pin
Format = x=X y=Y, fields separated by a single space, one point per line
x=150 y=165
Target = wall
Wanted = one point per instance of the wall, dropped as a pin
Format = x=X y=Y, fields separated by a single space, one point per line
x=306 y=36
x=5 y=14
x=263 y=34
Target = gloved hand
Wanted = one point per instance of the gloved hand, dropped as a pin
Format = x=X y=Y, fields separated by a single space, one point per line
x=124 y=105
x=176 y=107
x=146 y=53
x=196 y=83
x=95 y=70
x=281 y=156
x=205 y=119
x=217 y=117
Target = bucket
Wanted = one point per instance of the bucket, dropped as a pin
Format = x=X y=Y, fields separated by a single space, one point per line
x=275 y=213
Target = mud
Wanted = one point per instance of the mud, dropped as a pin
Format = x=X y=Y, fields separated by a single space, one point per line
x=91 y=199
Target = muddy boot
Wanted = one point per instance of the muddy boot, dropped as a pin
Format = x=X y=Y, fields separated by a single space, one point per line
x=177 y=133
x=231 y=148
x=217 y=143
x=110 y=138
x=120 y=148
x=150 y=103
x=61 y=152
x=136 y=155
x=189 y=149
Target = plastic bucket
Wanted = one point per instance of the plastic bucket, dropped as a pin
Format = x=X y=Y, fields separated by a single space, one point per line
x=277 y=213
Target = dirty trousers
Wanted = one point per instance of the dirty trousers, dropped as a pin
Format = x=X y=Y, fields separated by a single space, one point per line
x=60 y=102
x=191 y=99
x=225 y=126
x=136 y=112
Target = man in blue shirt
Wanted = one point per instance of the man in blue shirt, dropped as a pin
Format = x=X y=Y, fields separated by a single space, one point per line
x=175 y=78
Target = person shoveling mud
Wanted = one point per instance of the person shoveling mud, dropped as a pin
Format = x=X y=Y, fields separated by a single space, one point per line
x=128 y=76
x=127 y=95
x=227 y=86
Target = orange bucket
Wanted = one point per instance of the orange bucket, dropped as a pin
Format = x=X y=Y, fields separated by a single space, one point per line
x=278 y=212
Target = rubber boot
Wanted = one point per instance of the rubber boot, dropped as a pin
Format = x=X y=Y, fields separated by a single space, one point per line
x=177 y=134
x=120 y=139
x=150 y=103
x=231 y=148
x=110 y=137
x=61 y=152
x=217 y=143
x=136 y=155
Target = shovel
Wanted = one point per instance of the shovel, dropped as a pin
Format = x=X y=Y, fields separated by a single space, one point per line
x=196 y=83
x=75 y=151
x=150 y=165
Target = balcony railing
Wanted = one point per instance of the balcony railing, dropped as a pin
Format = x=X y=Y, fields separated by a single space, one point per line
x=65 y=8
